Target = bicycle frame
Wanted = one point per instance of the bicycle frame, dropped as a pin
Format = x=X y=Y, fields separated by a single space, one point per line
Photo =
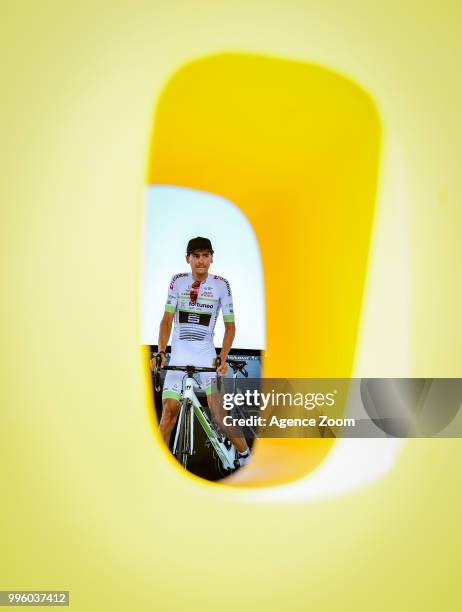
x=191 y=406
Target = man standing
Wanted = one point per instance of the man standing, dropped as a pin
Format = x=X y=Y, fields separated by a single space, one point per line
x=193 y=304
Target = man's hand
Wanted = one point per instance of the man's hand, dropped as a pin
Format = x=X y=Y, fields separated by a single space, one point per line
x=223 y=366
x=153 y=361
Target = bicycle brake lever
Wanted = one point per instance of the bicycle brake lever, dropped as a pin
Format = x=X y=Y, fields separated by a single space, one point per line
x=156 y=373
x=157 y=385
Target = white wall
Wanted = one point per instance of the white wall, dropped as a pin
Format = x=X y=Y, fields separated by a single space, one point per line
x=173 y=215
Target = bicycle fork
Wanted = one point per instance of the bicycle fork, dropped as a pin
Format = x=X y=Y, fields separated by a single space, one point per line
x=183 y=444
x=186 y=423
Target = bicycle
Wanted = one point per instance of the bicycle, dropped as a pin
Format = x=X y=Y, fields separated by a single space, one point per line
x=183 y=445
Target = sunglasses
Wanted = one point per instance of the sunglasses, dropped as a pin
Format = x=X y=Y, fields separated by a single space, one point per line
x=194 y=293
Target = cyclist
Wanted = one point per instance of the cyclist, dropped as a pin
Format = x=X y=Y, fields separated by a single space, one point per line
x=193 y=304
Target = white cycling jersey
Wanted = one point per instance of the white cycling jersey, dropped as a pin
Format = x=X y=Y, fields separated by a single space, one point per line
x=194 y=323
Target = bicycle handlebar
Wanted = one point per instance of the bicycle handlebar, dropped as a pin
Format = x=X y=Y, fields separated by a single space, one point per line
x=190 y=368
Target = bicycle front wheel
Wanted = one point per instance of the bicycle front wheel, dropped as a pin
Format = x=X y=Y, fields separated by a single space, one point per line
x=182 y=447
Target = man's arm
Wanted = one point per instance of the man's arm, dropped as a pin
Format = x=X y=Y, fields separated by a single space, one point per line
x=226 y=300
x=230 y=332
x=165 y=330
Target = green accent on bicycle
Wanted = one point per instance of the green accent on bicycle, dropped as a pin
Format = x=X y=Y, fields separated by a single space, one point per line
x=211 y=434
x=169 y=308
x=171 y=395
x=228 y=318
x=205 y=425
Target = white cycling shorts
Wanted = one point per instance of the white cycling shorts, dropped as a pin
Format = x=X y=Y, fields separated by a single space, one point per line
x=174 y=381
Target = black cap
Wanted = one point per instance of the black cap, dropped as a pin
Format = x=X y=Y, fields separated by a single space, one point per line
x=199 y=244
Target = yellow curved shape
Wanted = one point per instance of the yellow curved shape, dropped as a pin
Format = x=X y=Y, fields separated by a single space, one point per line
x=296 y=147
x=88 y=503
